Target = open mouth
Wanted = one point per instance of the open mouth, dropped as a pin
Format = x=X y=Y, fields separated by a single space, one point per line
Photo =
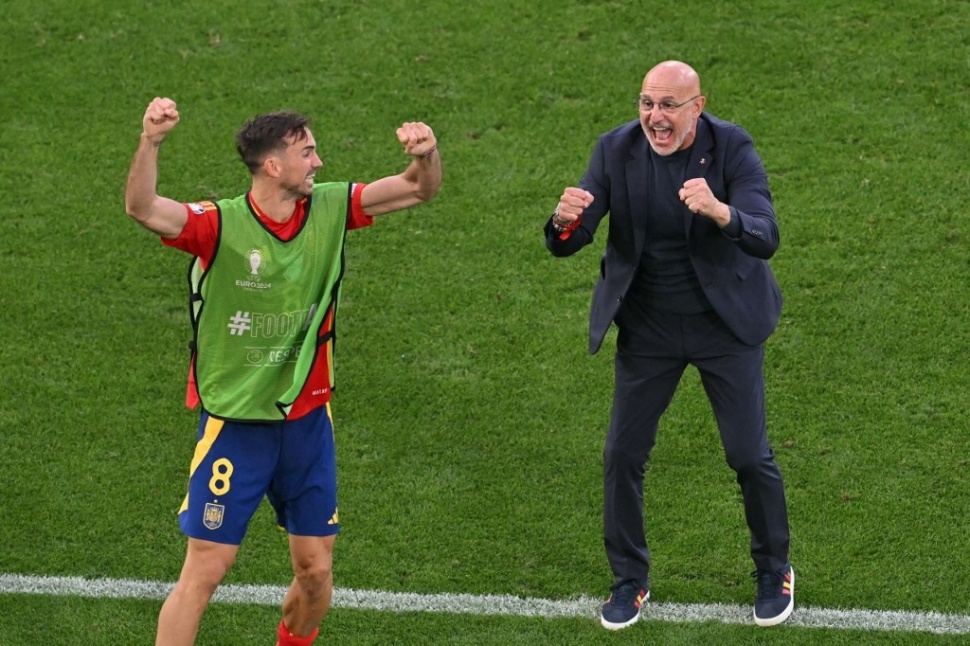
x=662 y=134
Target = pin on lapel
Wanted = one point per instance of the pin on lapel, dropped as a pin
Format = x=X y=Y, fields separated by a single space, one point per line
x=703 y=161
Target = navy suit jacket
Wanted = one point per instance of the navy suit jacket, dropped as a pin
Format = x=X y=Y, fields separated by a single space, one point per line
x=733 y=272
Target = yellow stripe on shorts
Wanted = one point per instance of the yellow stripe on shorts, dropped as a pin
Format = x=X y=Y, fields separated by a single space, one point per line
x=213 y=427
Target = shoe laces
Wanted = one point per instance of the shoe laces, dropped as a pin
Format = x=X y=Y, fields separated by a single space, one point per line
x=769 y=583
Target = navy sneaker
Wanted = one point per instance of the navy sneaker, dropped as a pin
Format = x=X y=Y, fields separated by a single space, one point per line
x=776 y=595
x=622 y=609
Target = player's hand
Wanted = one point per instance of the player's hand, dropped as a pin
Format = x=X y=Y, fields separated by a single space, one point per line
x=697 y=195
x=571 y=205
x=417 y=138
x=160 y=117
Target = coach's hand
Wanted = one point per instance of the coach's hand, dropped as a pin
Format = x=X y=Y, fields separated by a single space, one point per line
x=697 y=195
x=571 y=206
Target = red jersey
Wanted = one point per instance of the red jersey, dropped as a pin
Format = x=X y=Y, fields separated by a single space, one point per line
x=199 y=237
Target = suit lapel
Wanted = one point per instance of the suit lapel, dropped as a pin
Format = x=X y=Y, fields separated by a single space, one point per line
x=637 y=172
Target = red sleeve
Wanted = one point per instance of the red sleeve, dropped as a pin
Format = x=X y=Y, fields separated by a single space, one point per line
x=357 y=218
x=201 y=230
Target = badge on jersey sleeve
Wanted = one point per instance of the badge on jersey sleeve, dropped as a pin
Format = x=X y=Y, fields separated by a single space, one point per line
x=201 y=208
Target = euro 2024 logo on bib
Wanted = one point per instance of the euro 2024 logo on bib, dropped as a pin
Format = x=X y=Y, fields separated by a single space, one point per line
x=255 y=258
x=255 y=262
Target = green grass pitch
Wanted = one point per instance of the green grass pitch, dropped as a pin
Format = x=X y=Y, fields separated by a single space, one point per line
x=469 y=416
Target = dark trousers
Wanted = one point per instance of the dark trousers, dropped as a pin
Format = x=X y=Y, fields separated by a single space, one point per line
x=650 y=359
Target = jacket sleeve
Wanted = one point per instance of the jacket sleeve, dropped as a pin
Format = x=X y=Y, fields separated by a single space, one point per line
x=749 y=197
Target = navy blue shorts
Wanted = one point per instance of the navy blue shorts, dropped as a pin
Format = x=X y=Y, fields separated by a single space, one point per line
x=292 y=463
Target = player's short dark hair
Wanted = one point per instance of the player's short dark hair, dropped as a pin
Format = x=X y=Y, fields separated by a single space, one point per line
x=268 y=133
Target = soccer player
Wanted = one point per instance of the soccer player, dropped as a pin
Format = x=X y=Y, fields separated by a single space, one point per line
x=264 y=284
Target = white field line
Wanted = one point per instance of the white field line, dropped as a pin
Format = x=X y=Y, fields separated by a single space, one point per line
x=585 y=607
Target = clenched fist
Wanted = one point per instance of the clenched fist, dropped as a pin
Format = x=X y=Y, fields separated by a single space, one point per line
x=160 y=117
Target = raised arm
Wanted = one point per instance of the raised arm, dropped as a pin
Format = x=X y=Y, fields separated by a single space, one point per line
x=162 y=215
x=417 y=184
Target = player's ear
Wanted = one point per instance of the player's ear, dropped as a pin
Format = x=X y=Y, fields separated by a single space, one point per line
x=271 y=166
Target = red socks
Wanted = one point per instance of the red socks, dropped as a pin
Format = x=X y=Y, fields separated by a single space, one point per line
x=286 y=639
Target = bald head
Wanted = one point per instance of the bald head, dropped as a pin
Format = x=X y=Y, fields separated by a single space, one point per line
x=673 y=77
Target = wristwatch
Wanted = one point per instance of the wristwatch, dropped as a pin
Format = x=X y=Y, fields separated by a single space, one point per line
x=558 y=228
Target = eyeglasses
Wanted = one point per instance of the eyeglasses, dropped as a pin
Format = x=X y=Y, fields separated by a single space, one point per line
x=667 y=107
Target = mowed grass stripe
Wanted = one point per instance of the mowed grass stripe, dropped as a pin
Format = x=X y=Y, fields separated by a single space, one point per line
x=804 y=616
